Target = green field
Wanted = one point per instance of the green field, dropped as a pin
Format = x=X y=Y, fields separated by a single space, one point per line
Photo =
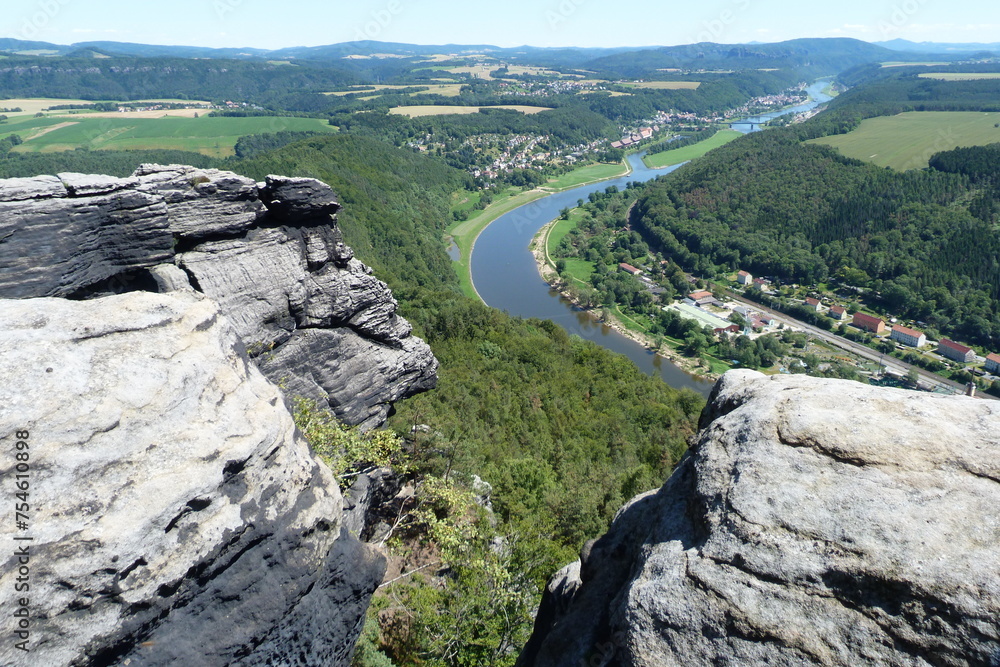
x=678 y=155
x=908 y=140
x=209 y=136
x=588 y=174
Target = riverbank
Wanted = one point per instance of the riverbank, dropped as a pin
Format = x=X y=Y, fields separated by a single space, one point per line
x=546 y=270
x=464 y=234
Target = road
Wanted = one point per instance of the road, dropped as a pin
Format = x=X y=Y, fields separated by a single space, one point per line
x=927 y=378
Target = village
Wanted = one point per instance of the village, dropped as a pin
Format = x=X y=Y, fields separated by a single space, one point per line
x=877 y=344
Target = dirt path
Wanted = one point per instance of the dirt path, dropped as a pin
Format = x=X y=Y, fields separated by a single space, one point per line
x=42 y=133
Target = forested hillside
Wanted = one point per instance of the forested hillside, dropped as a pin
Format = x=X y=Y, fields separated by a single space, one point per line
x=803 y=213
x=562 y=429
x=126 y=78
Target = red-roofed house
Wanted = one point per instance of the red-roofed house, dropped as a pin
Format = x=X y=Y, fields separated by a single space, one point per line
x=993 y=363
x=695 y=296
x=868 y=323
x=813 y=303
x=908 y=336
x=956 y=351
x=628 y=268
x=838 y=312
x=744 y=278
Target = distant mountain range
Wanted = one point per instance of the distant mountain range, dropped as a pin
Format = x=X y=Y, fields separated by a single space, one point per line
x=939 y=47
x=810 y=56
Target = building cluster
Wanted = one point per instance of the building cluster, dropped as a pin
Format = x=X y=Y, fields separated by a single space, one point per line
x=636 y=137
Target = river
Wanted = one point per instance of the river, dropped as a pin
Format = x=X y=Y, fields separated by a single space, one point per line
x=506 y=277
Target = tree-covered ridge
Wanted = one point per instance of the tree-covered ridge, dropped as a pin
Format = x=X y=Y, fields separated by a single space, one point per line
x=803 y=213
x=126 y=78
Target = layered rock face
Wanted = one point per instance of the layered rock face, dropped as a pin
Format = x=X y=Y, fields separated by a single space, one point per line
x=174 y=514
x=270 y=254
x=813 y=522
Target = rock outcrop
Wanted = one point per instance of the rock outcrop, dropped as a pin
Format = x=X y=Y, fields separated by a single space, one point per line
x=270 y=254
x=812 y=522
x=173 y=514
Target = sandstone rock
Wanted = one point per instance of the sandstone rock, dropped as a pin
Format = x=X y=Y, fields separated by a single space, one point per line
x=88 y=185
x=203 y=203
x=178 y=518
x=812 y=522
x=298 y=197
x=276 y=272
x=65 y=247
x=24 y=189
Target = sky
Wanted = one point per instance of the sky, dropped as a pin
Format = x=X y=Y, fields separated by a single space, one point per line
x=548 y=23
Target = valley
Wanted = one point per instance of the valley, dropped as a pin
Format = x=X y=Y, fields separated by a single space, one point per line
x=582 y=240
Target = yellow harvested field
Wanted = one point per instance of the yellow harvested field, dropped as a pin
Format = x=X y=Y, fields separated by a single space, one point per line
x=477 y=71
x=900 y=63
x=665 y=85
x=960 y=76
x=35 y=105
x=437 y=110
x=445 y=90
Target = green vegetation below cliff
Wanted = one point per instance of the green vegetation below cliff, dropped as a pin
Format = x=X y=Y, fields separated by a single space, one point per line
x=562 y=429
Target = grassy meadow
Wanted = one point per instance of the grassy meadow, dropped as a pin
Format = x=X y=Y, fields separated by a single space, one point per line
x=908 y=140
x=589 y=174
x=678 y=155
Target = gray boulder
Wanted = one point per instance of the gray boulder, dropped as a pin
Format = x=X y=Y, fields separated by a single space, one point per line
x=271 y=255
x=812 y=522
x=176 y=515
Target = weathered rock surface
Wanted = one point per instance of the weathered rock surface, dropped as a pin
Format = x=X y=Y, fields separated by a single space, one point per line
x=813 y=522
x=270 y=254
x=177 y=517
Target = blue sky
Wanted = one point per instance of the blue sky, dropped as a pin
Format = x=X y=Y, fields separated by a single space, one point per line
x=270 y=24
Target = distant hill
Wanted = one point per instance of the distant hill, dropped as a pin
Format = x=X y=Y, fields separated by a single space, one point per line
x=937 y=47
x=358 y=49
x=814 y=57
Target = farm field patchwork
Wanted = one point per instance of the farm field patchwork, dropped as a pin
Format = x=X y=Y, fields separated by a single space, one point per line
x=908 y=140
x=210 y=136
x=439 y=110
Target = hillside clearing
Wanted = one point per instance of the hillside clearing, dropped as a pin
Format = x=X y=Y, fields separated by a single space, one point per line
x=908 y=140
